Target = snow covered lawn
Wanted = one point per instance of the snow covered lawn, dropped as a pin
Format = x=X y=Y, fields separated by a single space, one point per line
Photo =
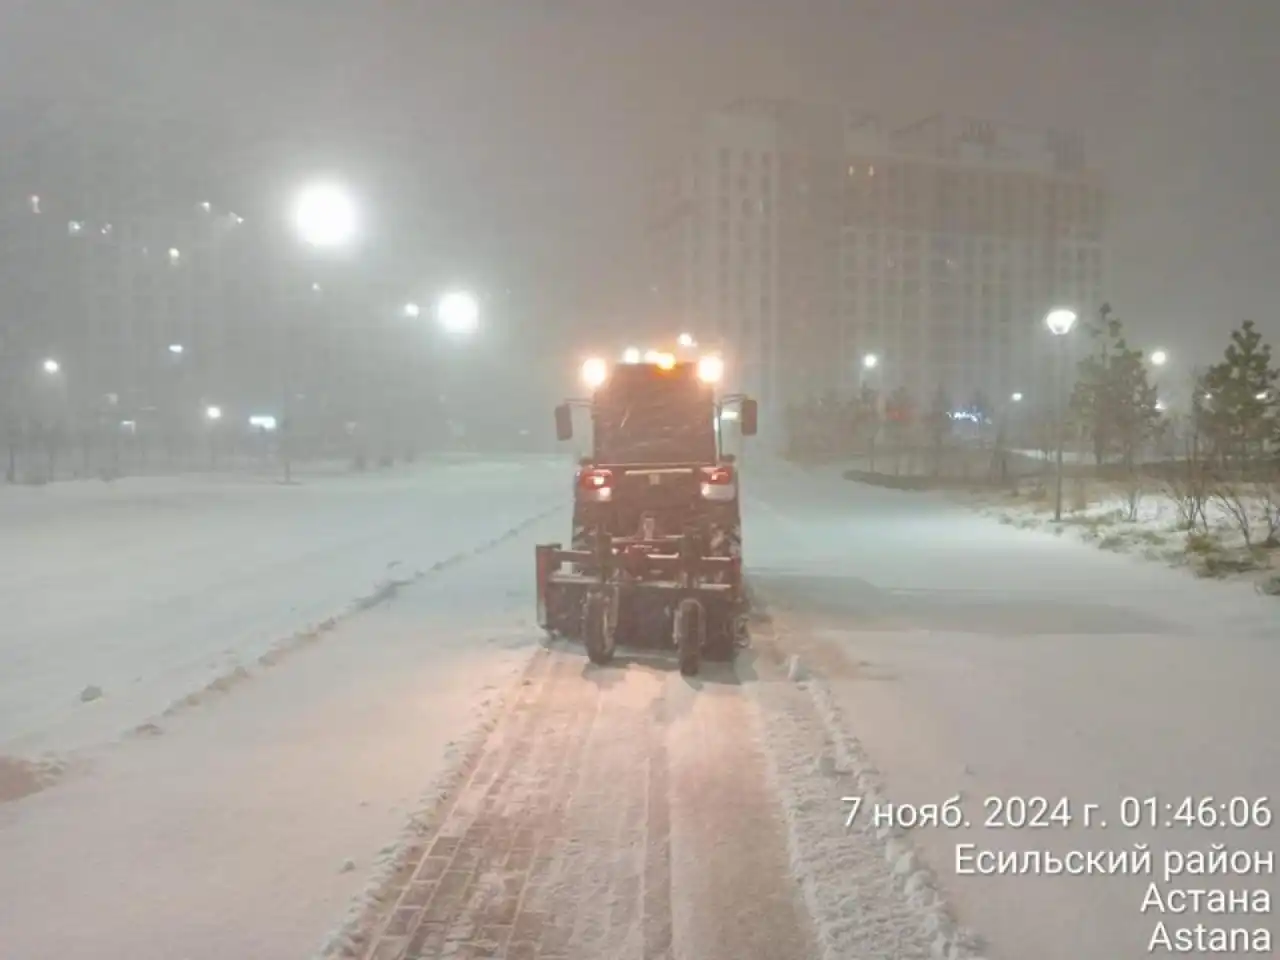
x=119 y=603
x=246 y=827
x=1153 y=522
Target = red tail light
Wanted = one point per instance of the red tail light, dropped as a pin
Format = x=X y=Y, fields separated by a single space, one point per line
x=595 y=479
x=596 y=485
x=718 y=476
x=718 y=483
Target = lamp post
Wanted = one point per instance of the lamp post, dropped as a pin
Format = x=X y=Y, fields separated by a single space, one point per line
x=1060 y=322
x=325 y=217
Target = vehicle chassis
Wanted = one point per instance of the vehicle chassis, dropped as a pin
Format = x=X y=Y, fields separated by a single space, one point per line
x=635 y=590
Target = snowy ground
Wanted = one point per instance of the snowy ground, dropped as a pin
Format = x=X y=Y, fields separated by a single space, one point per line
x=427 y=771
x=139 y=594
x=1153 y=523
x=959 y=656
x=246 y=826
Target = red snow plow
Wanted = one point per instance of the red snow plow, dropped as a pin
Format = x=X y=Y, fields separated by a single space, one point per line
x=655 y=559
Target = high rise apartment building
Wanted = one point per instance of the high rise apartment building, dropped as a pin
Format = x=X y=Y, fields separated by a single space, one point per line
x=804 y=238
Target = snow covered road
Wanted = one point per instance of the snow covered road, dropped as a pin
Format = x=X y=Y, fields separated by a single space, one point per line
x=963 y=657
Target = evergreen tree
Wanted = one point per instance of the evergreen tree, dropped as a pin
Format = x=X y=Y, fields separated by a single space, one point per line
x=1238 y=409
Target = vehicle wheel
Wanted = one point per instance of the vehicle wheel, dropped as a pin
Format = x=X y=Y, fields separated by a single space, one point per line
x=598 y=631
x=690 y=631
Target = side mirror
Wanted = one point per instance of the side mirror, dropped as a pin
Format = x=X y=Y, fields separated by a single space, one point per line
x=748 y=418
x=564 y=422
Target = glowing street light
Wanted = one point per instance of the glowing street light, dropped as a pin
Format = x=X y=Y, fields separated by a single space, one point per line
x=325 y=215
x=686 y=340
x=631 y=355
x=1159 y=358
x=213 y=413
x=177 y=349
x=458 y=312
x=51 y=366
x=1016 y=398
x=174 y=254
x=412 y=310
x=1060 y=321
x=870 y=361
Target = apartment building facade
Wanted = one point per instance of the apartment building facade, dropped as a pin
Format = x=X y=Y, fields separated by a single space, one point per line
x=805 y=238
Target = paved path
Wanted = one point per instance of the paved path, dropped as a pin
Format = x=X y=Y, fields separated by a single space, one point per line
x=613 y=813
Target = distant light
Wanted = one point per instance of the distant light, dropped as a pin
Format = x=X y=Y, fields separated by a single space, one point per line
x=1060 y=321
x=631 y=355
x=728 y=414
x=237 y=219
x=112 y=399
x=106 y=229
x=594 y=372
x=174 y=254
x=412 y=310
x=74 y=227
x=34 y=200
x=129 y=426
x=263 y=422
x=176 y=349
x=1159 y=358
x=325 y=215
x=666 y=361
x=1260 y=396
x=458 y=312
x=710 y=369
x=870 y=361
x=213 y=413
x=206 y=206
x=1016 y=398
x=652 y=356
x=1160 y=406
x=686 y=340
x=51 y=366
x=315 y=287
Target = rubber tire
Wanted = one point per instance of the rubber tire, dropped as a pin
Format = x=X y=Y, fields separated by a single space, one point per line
x=596 y=630
x=690 y=631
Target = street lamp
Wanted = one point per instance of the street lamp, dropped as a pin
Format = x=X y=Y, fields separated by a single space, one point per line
x=1060 y=321
x=325 y=215
x=1159 y=358
x=213 y=413
x=51 y=366
x=1016 y=398
x=458 y=312
x=686 y=340
x=870 y=361
x=412 y=310
x=176 y=349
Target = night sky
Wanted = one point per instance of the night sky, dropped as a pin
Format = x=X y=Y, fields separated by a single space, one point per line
x=513 y=139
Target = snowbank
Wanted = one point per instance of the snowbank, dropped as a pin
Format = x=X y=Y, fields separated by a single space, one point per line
x=868 y=892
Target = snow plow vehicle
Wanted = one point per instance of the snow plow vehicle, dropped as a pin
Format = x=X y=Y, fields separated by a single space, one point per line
x=655 y=558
